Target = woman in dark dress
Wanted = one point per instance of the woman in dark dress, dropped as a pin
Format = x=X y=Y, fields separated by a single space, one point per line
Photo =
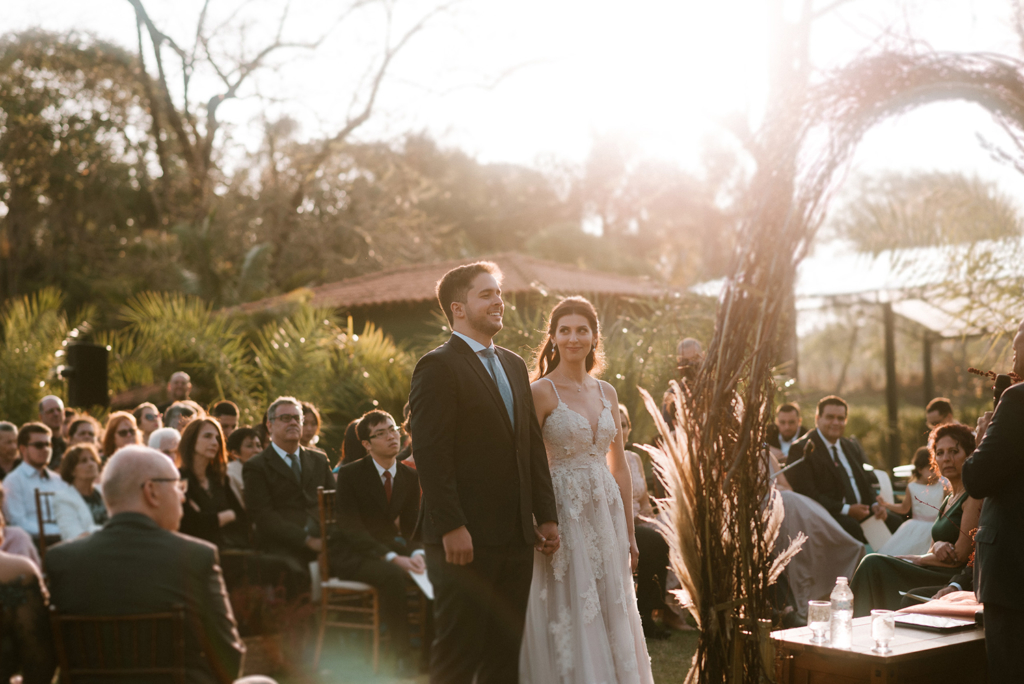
x=879 y=578
x=25 y=644
x=211 y=510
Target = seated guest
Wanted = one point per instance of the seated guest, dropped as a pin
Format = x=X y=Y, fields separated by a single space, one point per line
x=34 y=443
x=138 y=564
x=788 y=428
x=70 y=415
x=280 y=489
x=923 y=498
x=25 y=644
x=180 y=413
x=80 y=509
x=939 y=412
x=119 y=432
x=166 y=441
x=17 y=541
x=9 y=457
x=310 y=425
x=51 y=414
x=243 y=444
x=212 y=511
x=226 y=413
x=832 y=472
x=179 y=387
x=405 y=455
x=84 y=430
x=149 y=420
x=378 y=503
x=652 y=569
x=352 y=448
x=879 y=579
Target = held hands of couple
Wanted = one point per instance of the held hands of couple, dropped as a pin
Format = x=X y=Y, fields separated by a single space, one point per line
x=548 y=540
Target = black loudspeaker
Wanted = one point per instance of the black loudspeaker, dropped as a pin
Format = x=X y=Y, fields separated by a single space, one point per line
x=86 y=373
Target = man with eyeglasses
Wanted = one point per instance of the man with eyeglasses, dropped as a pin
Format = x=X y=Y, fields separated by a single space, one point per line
x=280 y=490
x=139 y=564
x=51 y=414
x=35 y=443
x=378 y=502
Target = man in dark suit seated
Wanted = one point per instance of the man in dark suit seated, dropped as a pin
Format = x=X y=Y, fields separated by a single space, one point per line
x=832 y=472
x=994 y=472
x=139 y=564
x=374 y=493
x=787 y=428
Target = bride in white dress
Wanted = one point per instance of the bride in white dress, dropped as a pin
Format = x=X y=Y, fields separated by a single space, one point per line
x=582 y=623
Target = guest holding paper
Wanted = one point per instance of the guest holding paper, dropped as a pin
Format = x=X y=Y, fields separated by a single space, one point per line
x=879 y=579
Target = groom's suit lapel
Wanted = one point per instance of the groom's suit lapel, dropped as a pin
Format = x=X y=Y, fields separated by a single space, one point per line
x=492 y=387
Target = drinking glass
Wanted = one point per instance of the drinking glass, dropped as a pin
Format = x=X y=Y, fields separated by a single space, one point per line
x=819 y=614
x=883 y=630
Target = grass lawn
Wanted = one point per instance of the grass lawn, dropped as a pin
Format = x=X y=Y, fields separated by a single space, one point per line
x=345 y=663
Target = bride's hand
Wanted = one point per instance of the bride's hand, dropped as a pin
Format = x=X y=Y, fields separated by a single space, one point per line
x=634 y=555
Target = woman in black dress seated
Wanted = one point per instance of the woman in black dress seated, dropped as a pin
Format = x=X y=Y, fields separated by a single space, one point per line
x=211 y=510
x=25 y=645
x=879 y=578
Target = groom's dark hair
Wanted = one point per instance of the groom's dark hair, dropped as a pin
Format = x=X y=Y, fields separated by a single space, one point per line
x=454 y=285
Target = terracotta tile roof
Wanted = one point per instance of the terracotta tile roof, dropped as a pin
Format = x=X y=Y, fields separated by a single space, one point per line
x=415 y=283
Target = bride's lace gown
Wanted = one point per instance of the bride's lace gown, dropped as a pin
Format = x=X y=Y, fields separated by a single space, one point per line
x=582 y=623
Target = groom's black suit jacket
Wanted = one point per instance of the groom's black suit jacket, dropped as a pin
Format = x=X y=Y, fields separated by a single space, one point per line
x=819 y=478
x=476 y=469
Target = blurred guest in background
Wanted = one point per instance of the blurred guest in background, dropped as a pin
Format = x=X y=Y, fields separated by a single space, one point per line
x=211 y=510
x=179 y=387
x=405 y=455
x=84 y=430
x=9 y=457
x=180 y=413
x=17 y=541
x=352 y=448
x=788 y=428
x=226 y=413
x=51 y=414
x=80 y=509
x=166 y=441
x=149 y=420
x=119 y=432
x=939 y=412
x=243 y=444
x=26 y=647
x=70 y=415
x=310 y=425
x=923 y=498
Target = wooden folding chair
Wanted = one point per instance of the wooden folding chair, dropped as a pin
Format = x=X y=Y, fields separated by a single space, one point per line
x=44 y=515
x=345 y=604
x=120 y=647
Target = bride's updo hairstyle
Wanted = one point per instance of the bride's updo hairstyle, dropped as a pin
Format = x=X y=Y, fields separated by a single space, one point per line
x=548 y=357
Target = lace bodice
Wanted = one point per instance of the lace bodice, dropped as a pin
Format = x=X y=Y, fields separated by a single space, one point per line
x=569 y=437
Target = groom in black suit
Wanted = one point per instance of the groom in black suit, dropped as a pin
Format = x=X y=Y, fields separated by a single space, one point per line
x=993 y=472
x=485 y=480
x=832 y=472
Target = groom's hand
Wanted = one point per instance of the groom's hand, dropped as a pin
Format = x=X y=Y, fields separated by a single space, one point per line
x=547 y=538
x=458 y=546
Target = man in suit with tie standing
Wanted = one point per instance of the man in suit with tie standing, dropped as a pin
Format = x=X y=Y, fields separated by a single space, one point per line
x=487 y=494
x=832 y=472
x=993 y=473
x=373 y=493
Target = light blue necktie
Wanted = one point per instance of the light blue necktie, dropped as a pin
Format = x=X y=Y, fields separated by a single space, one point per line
x=490 y=358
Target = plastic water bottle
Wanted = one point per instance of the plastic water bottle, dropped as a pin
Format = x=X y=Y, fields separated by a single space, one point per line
x=841 y=626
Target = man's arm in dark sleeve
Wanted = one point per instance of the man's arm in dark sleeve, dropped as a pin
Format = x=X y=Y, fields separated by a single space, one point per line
x=542 y=492
x=269 y=523
x=410 y=512
x=219 y=638
x=997 y=461
x=433 y=404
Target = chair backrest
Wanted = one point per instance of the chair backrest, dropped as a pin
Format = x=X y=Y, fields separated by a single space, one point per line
x=98 y=648
x=325 y=505
x=44 y=515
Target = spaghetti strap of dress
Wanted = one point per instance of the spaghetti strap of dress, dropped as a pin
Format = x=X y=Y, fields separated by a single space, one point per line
x=557 y=396
x=600 y=386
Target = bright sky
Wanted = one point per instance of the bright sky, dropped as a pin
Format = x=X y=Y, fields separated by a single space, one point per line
x=660 y=72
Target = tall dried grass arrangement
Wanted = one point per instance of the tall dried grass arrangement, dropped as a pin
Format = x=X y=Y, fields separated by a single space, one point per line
x=723 y=516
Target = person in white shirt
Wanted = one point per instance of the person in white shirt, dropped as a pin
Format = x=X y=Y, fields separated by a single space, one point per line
x=243 y=444
x=35 y=444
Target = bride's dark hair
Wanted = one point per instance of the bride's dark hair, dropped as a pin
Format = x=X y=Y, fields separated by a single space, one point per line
x=547 y=357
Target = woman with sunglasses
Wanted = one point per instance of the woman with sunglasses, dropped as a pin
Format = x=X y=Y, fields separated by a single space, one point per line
x=148 y=418
x=120 y=431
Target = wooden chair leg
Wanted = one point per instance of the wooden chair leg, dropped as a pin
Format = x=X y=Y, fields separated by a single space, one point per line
x=323 y=629
x=376 y=633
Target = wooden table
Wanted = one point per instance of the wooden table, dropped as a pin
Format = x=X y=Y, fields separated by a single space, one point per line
x=917 y=657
